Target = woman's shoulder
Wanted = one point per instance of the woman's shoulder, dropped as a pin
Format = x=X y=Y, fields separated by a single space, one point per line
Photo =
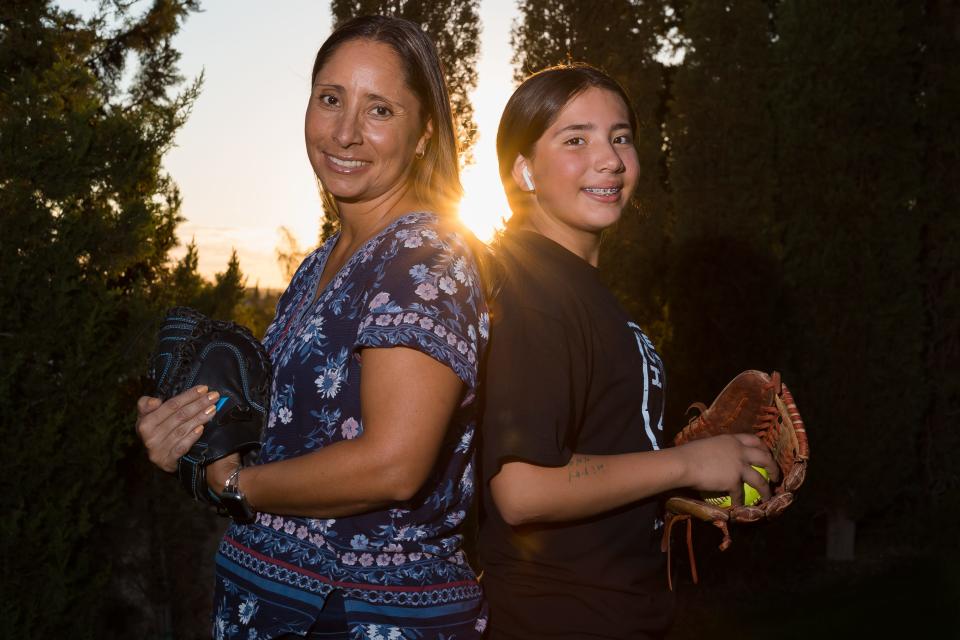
x=423 y=237
x=421 y=250
x=431 y=229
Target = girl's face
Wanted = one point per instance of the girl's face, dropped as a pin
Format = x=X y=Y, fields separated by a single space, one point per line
x=363 y=126
x=584 y=167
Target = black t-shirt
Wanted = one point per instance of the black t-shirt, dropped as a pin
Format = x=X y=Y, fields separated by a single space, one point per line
x=568 y=372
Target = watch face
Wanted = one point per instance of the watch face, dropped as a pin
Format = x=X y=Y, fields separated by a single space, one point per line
x=237 y=506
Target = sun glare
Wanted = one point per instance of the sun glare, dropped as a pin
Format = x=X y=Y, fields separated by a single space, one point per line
x=484 y=205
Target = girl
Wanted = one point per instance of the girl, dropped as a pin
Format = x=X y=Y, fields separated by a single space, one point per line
x=572 y=459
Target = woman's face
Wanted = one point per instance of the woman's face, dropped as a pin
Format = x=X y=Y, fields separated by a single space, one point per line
x=585 y=167
x=363 y=126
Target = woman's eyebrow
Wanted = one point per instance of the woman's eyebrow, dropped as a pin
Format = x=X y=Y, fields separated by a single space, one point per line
x=378 y=98
x=375 y=97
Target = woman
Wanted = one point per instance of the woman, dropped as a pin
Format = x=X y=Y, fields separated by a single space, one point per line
x=366 y=467
x=571 y=454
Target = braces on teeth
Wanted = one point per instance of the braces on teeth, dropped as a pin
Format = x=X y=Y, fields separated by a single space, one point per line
x=604 y=192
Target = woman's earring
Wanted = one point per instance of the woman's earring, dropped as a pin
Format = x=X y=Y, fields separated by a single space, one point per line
x=420 y=153
x=527 y=178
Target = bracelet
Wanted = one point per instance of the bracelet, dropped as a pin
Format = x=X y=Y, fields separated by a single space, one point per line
x=233 y=500
x=233 y=478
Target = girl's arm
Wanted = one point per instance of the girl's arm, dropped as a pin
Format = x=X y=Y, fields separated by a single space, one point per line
x=591 y=484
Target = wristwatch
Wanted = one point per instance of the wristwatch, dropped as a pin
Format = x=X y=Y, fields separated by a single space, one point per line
x=233 y=500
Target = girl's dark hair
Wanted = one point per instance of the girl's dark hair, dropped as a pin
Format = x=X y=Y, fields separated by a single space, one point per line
x=531 y=110
x=436 y=176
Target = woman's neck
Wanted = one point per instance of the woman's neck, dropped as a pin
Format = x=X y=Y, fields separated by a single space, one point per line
x=360 y=221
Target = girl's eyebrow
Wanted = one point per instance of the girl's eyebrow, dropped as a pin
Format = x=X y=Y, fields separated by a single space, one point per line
x=589 y=126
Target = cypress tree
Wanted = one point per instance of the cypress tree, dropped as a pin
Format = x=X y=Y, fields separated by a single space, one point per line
x=88 y=107
x=938 y=94
x=723 y=284
x=849 y=175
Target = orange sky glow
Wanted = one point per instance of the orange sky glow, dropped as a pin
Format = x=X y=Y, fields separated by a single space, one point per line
x=240 y=161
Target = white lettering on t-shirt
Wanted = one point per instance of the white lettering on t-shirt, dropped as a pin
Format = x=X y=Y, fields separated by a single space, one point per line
x=651 y=365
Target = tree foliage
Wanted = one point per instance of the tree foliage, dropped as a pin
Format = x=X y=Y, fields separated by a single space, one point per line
x=289 y=254
x=938 y=202
x=88 y=107
x=799 y=203
x=623 y=39
x=848 y=161
x=723 y=277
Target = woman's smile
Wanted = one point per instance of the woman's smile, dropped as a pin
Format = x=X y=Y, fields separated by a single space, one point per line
x=344 y=165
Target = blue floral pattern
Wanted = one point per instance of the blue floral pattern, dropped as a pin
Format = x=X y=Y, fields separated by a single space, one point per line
x=415 y=285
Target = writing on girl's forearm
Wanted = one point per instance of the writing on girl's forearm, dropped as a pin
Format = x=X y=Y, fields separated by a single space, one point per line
x=581 y=466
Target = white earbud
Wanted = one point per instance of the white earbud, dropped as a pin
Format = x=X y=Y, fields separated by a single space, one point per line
x=527 y=178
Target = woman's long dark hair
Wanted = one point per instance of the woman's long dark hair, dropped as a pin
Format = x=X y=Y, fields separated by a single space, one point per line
x=531 y=110
x=436 y=176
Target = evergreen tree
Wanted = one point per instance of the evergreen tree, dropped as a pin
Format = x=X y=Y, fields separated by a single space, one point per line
x=185 y=279
x=87 y=218
x=938 y=205
x=849 y=175
x=257 y=309
x=623 y=39
x=221 y=298
x=724 y=274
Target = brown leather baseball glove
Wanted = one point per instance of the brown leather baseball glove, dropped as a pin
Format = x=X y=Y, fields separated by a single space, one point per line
x=757 y=403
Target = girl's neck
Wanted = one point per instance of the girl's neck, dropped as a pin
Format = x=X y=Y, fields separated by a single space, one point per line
x=583 y=244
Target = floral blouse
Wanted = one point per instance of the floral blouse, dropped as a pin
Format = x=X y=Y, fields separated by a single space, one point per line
x=401 y=570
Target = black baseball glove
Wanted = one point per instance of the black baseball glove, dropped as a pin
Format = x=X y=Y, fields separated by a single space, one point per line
x=192 y=350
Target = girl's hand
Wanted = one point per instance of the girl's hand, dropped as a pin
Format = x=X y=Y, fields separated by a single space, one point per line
x=168 y=429
x=723 y=464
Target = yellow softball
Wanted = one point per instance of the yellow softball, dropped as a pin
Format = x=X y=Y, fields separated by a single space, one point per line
x=750 y=495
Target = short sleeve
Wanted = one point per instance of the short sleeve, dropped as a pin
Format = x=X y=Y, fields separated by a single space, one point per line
x=426 y=295
x=531 y=396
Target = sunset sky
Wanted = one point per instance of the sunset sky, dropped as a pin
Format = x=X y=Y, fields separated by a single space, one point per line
x=240 y=160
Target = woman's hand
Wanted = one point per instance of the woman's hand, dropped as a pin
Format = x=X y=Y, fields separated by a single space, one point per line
x=168 y=429
x=723 y=464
